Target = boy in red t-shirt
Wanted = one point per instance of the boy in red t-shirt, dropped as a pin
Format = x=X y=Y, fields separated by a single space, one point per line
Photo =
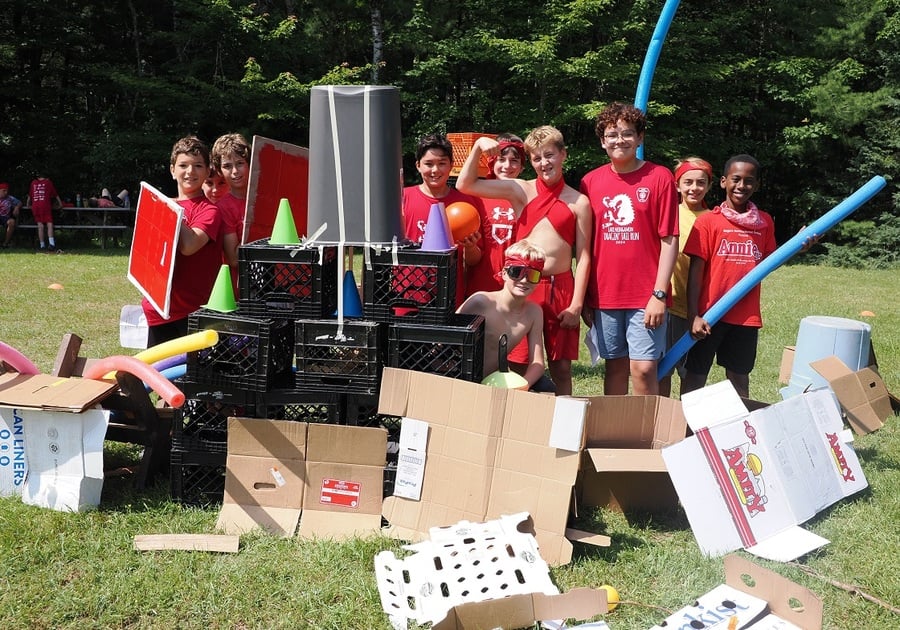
x=41 y=196
x=199 y=254
x=230 y=156
x=725 y=244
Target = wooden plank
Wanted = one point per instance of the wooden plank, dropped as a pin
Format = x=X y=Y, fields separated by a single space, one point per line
x=67 y=356
x=187 y=542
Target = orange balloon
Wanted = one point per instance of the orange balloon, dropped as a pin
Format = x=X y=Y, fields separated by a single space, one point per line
x=463 y=219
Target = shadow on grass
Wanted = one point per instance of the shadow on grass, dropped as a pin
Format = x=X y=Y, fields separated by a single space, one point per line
x=626 y=531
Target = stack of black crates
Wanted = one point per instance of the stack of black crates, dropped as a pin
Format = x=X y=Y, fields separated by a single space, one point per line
x=284 y=355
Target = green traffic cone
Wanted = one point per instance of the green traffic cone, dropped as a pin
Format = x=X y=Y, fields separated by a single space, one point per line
x=284 y=232
x=222 y=297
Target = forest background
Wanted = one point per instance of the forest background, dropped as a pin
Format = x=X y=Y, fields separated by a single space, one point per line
x=95 y=93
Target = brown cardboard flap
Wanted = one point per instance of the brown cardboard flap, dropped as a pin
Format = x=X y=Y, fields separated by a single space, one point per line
x=519 y=611
x=626 y=460
x=579 y=603
x=588 y=538
x=777 y=590
x=338 y=526
x=240 y=519
x=52 y=393
x=831 y=368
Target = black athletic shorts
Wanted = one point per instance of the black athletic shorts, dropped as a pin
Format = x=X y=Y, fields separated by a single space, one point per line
x=733 y=347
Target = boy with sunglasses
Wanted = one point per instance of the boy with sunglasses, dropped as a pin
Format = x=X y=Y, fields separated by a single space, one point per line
x=508 y=311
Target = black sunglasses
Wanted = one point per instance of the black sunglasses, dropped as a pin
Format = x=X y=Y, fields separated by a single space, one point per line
x=516 y=272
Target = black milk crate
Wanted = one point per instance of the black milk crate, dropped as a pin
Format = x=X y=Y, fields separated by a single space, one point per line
x=362 y=410
x=254 y=354
x=420 y=287
x=201 y=423
x=347 y=362
x=455 y=349
x=288 y=282
x=197 y=476
x=312 y=406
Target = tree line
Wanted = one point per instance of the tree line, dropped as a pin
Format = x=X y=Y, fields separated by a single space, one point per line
x=94 y=94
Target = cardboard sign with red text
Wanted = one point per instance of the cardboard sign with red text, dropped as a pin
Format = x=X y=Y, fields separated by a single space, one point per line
x=151 y=264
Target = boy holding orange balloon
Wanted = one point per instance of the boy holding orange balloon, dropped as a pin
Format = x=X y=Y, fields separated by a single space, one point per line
x=557 y=218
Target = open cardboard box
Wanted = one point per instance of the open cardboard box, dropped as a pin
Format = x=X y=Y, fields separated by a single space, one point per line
x=749 y=481
x=753 y=597
x=862 y=394
x=444 y=582
x=327 y=478
x=622 y=466
x=51 y=393
x=483 y=452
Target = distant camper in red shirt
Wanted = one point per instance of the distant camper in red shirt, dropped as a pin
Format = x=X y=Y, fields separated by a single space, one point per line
x=41 y=196
x=725 y=244
x=199 y=255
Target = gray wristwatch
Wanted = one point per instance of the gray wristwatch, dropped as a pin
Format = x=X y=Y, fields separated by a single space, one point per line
x=659 y=295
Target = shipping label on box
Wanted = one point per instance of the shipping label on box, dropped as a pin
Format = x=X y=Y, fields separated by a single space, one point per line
x=65 y=458
x=13 y=463
x=750 y=481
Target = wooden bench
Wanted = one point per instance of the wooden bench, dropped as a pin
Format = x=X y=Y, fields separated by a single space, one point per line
x=134 y=418
x=103 y=221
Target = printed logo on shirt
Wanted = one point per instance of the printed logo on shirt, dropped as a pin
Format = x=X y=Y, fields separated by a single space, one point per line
x=502 y=232
x=617 y=220
x=739 y=249
x=421 y=225
x=643 y=194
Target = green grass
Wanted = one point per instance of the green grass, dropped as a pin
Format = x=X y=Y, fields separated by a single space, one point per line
x=79 y=570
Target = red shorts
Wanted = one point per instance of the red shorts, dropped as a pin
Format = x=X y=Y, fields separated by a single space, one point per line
x=42 y=215
x=553 y=294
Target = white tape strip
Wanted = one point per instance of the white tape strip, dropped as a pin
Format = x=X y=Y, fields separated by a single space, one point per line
x=336 y=149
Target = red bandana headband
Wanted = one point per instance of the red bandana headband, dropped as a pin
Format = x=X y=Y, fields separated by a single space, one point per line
x=694 y=165
x=516 y=260
x=504 y=145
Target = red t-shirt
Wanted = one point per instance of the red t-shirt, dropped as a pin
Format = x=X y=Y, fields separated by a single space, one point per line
x=498 y=221
x=195 y=275
x=730 y=252
x=633 y=212
x=232 y=210
x=42 y=194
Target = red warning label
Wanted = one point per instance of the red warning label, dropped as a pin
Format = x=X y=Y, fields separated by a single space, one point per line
x=337 y=492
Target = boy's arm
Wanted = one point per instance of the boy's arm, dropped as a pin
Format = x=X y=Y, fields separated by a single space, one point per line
x=655 y=313
x=535 y=340
x=469 y=183
x=191 y=240
x=230 y=243
x=584 y=218
x=699 y=327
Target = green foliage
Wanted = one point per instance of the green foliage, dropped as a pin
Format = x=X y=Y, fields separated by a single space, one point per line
x=872 y=244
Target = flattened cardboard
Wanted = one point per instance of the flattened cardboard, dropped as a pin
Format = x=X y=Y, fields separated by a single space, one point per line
x=344 y=481
x=488 y=454
x=51 y=393
x=862 y=394
x=750 y=482
x=329 y=479
x=622 y=466
x=65 y=458
x=755 y=598
x=255 y=495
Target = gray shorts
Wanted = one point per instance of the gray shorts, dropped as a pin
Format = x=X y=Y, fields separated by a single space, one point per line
x=623 y=334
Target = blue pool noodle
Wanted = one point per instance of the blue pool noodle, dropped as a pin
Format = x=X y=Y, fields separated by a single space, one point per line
x=645 y=79
x=780 y=256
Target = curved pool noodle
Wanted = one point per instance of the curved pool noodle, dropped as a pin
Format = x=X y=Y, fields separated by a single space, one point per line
x=188 y=343
x=157 y=382
x=781 y=255
x=645 y=79
x=171 y=373
x=164 y=364
x=16 y=360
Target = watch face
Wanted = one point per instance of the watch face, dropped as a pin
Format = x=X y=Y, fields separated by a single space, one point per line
x=660 y=294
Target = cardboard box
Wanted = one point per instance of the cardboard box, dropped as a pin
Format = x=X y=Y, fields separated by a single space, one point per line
x=279 y=473
x=13 y=463
x=622 y=466
x=755 y=597
x=52 y=393
x=444 y=582
x=862 y=394
x=750 y=481
x=488 y=453
x=64 y=452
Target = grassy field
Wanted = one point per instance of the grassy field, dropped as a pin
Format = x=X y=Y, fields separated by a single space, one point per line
x=79 y=571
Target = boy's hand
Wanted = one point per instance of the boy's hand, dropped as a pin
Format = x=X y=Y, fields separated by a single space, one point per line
x=809 y=241
x=488 y=146
x=471 y=240
x=654 y=313
x=587 y=316
x=570 y=317
x=700 y=329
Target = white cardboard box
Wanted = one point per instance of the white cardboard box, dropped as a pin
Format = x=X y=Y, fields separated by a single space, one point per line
x=13 y=463
x=65 y=458
x=749 y=482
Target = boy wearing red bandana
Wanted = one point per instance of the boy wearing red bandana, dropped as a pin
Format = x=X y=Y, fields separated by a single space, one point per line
x=556 y=218
x=508 y=311
x=725 y=245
